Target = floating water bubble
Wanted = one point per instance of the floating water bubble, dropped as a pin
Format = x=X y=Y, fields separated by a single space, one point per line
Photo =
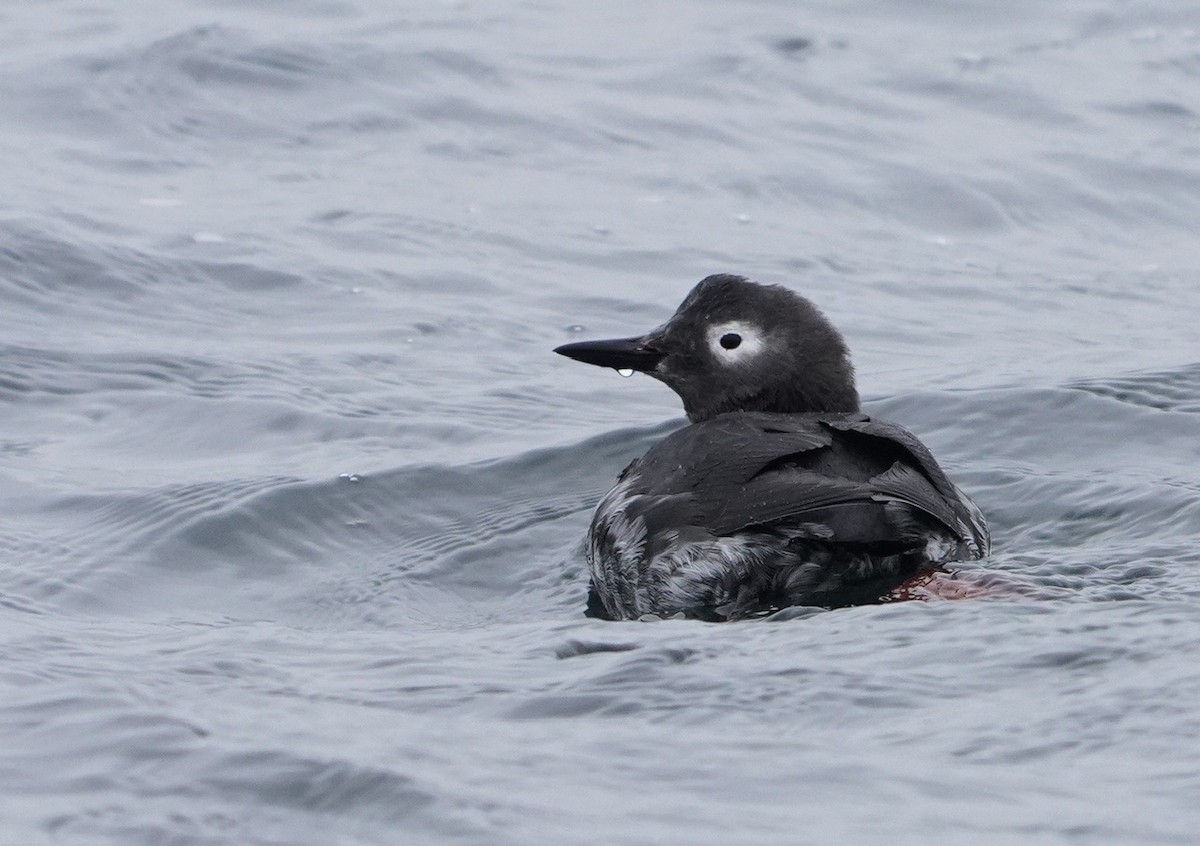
x=625 y=371
x=971 y=61
x=349 y=477
x=576 y=327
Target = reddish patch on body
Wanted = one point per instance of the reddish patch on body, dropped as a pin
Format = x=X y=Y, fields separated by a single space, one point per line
x=936 y=584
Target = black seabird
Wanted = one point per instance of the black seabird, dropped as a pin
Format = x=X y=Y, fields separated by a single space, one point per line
x=780 y=492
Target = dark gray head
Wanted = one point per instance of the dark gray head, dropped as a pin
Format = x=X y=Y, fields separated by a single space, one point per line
x=735 y=345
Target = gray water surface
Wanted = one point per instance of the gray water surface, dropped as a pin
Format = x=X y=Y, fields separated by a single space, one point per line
x=292 y=489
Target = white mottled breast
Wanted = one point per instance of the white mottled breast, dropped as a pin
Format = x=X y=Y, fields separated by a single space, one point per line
x=616 y=546
x=684 y=575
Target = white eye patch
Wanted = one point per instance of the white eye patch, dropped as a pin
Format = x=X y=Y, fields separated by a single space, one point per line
x=735 y=341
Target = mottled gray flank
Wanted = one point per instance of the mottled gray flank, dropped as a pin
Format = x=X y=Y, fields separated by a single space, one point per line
x=292 y=487
x=748 y=512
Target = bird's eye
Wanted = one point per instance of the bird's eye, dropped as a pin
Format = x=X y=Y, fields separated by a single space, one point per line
x=731 y=340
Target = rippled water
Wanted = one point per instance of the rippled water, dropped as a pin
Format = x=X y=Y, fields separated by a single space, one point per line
x=292 y=489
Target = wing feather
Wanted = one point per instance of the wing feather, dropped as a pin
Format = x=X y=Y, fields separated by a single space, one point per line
x=844 y=478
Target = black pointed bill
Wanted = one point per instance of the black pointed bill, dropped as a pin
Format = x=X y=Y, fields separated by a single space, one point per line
x=619 y=353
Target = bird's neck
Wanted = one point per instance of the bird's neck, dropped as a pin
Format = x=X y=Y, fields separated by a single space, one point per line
x=790 y=399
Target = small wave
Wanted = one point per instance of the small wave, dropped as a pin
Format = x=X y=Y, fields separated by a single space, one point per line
x=1166 y=390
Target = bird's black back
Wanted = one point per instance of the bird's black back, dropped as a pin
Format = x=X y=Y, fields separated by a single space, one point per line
x=840 y=478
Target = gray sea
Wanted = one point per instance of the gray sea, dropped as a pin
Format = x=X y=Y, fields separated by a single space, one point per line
x=293 y=490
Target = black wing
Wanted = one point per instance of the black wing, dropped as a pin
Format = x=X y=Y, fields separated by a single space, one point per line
x=842 y=478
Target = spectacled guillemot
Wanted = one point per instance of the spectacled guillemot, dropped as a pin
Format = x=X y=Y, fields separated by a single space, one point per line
x=781 y=491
